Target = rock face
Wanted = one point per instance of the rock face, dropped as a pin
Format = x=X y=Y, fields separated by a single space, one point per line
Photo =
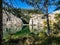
x=11 y=23
x=36 y=24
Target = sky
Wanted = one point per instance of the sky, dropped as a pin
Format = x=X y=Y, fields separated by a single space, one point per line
x=19 y=4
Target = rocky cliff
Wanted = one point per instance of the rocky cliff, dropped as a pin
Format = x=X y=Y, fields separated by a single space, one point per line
x=11 y=23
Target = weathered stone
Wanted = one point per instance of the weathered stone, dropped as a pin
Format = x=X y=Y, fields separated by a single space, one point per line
x=36 y=23
x=11 y=23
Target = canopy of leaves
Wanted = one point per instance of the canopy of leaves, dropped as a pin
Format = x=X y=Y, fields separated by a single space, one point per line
x=41 y=4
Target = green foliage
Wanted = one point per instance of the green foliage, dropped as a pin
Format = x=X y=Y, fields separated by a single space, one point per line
x=41 y=38
x=58 y=5
x=57 y=24
x=57 y=17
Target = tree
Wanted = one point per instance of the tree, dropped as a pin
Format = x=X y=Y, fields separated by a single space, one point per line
x=43 y=5
x=58 y=5
x=40 y=5
x=56 y=25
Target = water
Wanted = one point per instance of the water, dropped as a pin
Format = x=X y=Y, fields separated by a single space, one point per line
x=24 y=31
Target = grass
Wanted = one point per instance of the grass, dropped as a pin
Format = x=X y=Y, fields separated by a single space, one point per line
x=40 y=39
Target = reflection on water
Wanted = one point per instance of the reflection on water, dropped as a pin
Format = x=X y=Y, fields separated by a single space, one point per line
x=36 y=24
x=11 y=23
x=17 y=31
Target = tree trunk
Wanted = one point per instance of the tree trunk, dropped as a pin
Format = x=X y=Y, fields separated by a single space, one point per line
x=1 y=24
x=48 y=26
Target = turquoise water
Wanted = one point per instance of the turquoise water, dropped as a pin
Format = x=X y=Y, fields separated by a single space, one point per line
x=23 y=32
